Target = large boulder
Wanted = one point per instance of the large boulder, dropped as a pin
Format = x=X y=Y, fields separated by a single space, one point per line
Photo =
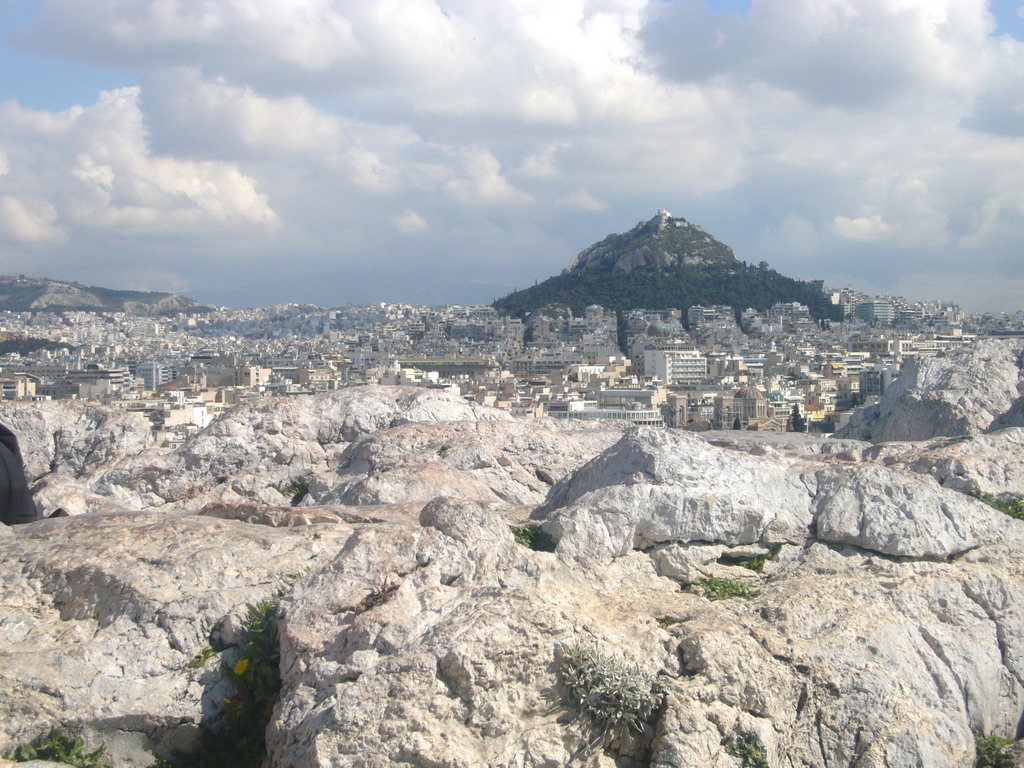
x=497 y=462
x=965 y=391
x=992 y=463
x=656 y=487
x=102 y=615
x=73 y=438
x=258 y=451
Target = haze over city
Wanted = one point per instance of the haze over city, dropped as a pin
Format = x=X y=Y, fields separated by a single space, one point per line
x=328 y=151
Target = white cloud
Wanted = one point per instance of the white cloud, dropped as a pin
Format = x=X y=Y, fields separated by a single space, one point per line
x=410 y=223
x=820 y=135
x=28 y=220
x=583 y=201
x=95 y=168
x=481 y=181
x=865 y=228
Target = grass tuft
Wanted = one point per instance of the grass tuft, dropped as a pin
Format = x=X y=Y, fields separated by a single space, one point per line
x=721 y=589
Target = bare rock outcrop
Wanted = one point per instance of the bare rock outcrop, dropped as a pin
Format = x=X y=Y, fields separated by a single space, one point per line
x=101 y=615
x=492 y=462
x=256 y=451
x=966 y=391
x=992 y=463
x=869 y=614
x=74 y=438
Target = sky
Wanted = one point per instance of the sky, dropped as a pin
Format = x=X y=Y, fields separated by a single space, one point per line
x=256 y=152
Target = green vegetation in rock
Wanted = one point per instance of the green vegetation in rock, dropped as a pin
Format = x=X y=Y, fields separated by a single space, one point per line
x=755 y=563
x=200 y=659
x=749 y=750
x=533 y=537
x=240 y=741
x=1009 y=505
x=714 y=588
x=667 y=621
x=989 y=752
x=58 y=747
x=617 y=697
x=295 y=490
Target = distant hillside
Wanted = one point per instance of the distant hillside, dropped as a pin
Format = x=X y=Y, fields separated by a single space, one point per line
x=22 y=294
x=661 y=263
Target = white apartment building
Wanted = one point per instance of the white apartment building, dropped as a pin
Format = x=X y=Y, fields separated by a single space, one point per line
x=676 y=367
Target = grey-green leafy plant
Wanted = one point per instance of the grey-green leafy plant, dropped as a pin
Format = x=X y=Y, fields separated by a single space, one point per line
x=750 y=750
x=714 y=588
x=667 y=621
x=618 y=697
x=989 y=752
x=58 y=747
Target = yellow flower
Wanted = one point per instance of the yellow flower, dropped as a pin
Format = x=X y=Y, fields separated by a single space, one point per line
x=241 y=666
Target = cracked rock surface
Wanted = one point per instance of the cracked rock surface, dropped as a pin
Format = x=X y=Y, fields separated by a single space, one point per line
x=875 y=619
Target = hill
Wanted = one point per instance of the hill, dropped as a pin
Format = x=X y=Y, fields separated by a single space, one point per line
x=662 y=263
x=23 y=294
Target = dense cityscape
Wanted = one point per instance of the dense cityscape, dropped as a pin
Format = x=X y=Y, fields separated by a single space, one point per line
x=700 y=368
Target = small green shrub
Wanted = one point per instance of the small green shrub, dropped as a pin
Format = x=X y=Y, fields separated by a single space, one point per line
x=256 y=678
x=58 y=748
x=295 y=491
x=443 y=450
x=533 y=537
x=755 y=563
x=1011 y=505
x=666 y=621
x=714 y=588
x=750 y=750
x=618 y=697
x=988 y=752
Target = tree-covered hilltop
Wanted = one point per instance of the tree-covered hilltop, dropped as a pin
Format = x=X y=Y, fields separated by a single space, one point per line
x=737 y=285
x=660 y=264
x=28 y=345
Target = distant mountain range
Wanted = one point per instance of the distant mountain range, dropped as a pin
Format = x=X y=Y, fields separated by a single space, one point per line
x=663 y=263
x=22 y=294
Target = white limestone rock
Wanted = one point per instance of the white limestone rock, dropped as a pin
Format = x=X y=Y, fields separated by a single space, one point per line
x=101 y=615
x=656 y=487
x=73 y=438
x=262 y=446
x=992 y=463
x=492 y=462
x=964 y=391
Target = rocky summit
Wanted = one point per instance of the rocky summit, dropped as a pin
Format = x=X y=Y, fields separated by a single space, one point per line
x=663 y=241
x=452 y=587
